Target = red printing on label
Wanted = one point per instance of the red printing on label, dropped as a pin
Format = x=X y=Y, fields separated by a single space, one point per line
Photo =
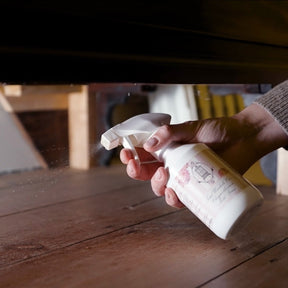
x=206 y=188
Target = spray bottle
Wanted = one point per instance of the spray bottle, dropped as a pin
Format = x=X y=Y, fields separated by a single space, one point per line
x=218 y=195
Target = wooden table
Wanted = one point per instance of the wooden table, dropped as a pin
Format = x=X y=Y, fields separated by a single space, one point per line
x=99 y=228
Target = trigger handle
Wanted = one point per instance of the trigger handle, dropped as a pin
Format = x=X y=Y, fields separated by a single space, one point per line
x=126 y=142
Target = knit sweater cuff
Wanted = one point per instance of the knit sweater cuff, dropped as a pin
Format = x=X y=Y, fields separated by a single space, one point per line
x=275 y=102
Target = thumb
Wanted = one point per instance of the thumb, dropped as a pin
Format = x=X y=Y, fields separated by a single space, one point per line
x=166 y=134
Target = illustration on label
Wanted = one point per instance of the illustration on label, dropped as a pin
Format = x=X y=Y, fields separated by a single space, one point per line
x=210 y=185
x=201 y=172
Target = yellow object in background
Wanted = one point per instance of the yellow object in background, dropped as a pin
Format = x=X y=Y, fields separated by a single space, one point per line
x=213 y=105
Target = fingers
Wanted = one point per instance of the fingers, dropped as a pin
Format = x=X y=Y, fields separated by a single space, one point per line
x=172 y=199
x=184 y=132
x=144 y=156
x=160 y=138
x=142 y=172
x=139 y=171
x=158 y=183
x=151 y=171
x=125 y=156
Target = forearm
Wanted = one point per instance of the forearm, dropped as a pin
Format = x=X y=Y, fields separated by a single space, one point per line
x=275 y=102
x=269 y=129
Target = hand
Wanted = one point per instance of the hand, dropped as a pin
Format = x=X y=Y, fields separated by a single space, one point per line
x=240 y=140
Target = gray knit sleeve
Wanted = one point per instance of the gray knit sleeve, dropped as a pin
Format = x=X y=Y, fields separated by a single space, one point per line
x=275 y=102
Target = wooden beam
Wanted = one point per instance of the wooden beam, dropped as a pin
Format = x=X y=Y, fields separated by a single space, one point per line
x=39 y=97
x=81 y=128
x=12 y=90
x=32 y=102
x=36 y=90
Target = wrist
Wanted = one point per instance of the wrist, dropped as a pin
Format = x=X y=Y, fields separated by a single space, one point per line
x=268 y=135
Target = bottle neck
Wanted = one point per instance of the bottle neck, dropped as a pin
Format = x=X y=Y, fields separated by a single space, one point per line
x=162 y=153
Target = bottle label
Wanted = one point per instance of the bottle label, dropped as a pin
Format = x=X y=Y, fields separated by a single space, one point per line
x=205 y=184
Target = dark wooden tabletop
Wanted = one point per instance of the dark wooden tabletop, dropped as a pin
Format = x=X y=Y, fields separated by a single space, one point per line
x=99 y=228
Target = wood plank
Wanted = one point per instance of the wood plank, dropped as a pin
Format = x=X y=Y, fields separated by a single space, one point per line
x=39 y=102
x=12 y=90
x=172 y=251
x=39 y=90
x=33 y=189
x=270 y=269
x=74 y=217
x=145 y=255
x=81 y=128
x=39 y=97
x=67 y=223
x=119 y=238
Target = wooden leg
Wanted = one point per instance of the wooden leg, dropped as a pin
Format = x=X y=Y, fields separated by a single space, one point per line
x=282 y=172
x=81 y=109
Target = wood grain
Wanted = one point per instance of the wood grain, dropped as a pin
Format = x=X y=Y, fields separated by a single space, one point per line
x=98 y=228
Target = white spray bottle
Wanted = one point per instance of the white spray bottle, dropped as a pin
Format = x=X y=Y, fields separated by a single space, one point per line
x=219 y=196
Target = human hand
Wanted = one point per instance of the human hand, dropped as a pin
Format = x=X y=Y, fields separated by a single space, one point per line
x=239 y=140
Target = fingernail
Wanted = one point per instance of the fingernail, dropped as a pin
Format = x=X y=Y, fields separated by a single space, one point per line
x=168 y=195
x=158 y=175
x=130 y=170
x=151 y=142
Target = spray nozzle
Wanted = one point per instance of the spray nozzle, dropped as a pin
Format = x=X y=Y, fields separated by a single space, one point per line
x=134 y=132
